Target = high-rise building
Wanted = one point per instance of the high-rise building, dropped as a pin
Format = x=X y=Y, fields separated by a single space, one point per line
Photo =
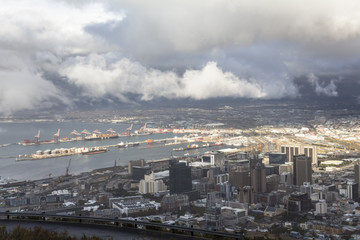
x=132 y=163
x=214 y=158
x=254 y=160
x=352 y=190
x=246 y=194
x=286 y=178
x=293 y=150
x=258 y=178
x=357 y=175
x=287 y=167
x=139 y=172
x=298 y=202
x=151 y=185
x=302 y=170
x=180 y=177
x=277 y=158
x=321 y=207
x=212 y=213
x=306 y=188
x=239 y=177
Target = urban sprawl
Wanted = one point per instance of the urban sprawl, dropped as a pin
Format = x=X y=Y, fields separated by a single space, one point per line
x=271 y=177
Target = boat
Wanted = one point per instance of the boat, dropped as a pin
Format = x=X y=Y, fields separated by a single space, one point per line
x=121 y=145
x=132 y=144
x=94 y=150
x=178 y=149
x=89 y=138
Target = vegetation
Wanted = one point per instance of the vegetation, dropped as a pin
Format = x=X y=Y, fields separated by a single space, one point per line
x=197 y=211
x=121 y=193
x=38 y=233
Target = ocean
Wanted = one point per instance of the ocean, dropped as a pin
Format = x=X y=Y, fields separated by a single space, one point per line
x=13 y=133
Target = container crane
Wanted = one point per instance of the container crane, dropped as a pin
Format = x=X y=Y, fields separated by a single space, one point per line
x=57 y=135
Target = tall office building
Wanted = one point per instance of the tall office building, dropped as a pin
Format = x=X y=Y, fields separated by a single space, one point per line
x=239 y=177
x=212 y=213
x=246 y=194
x=258 y=178
x=293 y=150
x=302 y=170
x=180 y=177
x=352 y=190
x=357 y=175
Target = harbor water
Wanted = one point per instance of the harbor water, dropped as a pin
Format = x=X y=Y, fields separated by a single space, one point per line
x=13 y=133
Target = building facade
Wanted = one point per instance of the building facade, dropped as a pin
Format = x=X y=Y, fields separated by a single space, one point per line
x=180 y=177
x=302 y=170
x=293 y=150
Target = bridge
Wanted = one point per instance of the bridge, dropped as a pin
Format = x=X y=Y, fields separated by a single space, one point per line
x=120 y=223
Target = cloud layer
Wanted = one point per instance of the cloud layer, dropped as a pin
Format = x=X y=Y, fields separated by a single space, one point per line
x=174 y=50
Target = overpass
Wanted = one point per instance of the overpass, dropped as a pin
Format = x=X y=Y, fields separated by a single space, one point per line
x=94 y=222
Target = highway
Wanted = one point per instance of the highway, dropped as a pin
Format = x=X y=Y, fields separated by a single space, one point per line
x=119 y=223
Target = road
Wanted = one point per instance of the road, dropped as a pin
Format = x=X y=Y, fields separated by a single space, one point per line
x=78 y=230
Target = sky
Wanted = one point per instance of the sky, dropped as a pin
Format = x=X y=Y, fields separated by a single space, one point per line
x=61 y=53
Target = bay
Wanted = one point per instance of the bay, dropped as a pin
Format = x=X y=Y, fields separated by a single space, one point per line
x=37 y=169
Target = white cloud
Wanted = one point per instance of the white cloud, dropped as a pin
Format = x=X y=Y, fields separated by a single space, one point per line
x=34 y=37
x=98 y=77
x=329 y=89
x=25 y=90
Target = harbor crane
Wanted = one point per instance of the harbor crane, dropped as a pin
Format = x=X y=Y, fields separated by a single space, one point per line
x=57 y=135
x=37 y=137
x=67 y=169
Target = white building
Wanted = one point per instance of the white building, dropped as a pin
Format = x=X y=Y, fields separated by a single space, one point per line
x=352 y=190
x=287 y=167
x=150 y=185
x=306 y=188
x=286 y=178
x=321 y=207
x=133 y=204
x=214 y=158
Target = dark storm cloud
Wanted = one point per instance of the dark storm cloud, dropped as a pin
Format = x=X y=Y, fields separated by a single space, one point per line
x=54 y=53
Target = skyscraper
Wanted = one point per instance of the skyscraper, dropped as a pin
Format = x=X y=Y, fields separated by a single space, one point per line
x=357 y=175
x=258 y=178
x=246 y=194
x=352 y=190
x=180 y=177
x=302 y=170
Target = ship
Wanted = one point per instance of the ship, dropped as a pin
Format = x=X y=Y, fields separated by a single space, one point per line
x=94 y=150
x=89 y=138
x=132 y=144
x=178 y=149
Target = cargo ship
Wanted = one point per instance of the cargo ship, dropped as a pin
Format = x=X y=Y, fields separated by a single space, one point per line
x=94 y=150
